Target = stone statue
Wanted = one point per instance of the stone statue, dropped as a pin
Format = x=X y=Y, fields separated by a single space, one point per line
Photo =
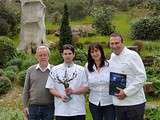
x=32 y=32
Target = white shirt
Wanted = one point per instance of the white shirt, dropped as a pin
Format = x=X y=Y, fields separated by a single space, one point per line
x=129 y=62
x=76 y=106
x=43 y=70
x=98 y=83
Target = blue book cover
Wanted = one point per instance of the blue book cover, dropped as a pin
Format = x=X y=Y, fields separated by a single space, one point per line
x=116 y=80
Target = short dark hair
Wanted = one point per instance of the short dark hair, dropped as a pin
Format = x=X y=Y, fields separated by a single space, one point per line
x=68 y=47
x=117 y=35
x=91 y=62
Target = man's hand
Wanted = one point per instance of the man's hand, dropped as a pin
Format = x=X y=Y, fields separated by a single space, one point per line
x=26 y=112
x=121 y=95
x=63 y=98
x=69 y=91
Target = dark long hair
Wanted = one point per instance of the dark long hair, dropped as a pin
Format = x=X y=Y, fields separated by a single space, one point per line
x=91 y=62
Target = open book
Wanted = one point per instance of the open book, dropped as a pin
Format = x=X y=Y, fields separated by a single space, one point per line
x=116 y=80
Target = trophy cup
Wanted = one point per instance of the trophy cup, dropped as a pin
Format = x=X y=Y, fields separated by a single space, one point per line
x=65 y=81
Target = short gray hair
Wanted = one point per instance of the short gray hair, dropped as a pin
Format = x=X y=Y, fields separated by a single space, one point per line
x=43 y=47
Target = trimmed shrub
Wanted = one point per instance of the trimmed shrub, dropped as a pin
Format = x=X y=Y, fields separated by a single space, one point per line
x=146 y=29
x=21 y=77
x=5 y=85
x=65 y=30
x=7 y=50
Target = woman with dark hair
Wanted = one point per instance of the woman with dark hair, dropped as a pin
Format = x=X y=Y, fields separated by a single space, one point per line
x=97 y=69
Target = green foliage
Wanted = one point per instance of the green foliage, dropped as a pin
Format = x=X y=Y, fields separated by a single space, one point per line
x=102 y=20
x=153 y=71
x=10 y=18
x=13 y=68
x=152 y=114
x=28 y=62
x=21 y=77
x=55 y=57
x=77 y=9
x=134 y=2
x=22 y=60
x=146 y=28
x=156 y=85
x=11 y=75
x=15 y=62
x=1 y=72
x=81 y=56
x=10 y=114
x=4 y=27
x=154 y=5
x=5 y=85
x=65 y=30
x=7 y=50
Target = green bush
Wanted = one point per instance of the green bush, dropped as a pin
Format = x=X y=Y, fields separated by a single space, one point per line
x=132 y=3
x=1 y=72
x=146 y=29
x=156 y=85
x=28 y=62
x=154 y=5
x=10 y=74
x=102 y=20
x=21 y=77
x=4 y=27
x=55 y=57
x=11 y=18
x=152 y=114
x=5 y=85
x=81 y=57
x=13 y=68
x=77 y=9
x=7 y=50
x=15 y=62
x=10 y=114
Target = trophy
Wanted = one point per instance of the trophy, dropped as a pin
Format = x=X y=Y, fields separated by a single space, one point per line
x=65 y=81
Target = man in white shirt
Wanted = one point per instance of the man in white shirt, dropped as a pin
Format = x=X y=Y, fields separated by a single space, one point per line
x=130 y=101
x=67 y=82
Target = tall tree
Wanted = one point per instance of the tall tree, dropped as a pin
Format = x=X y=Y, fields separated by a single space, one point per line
x=65 y=30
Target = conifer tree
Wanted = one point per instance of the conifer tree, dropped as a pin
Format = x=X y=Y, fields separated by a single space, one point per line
x=65 y=30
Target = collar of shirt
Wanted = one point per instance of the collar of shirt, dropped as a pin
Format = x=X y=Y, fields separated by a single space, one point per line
x=43 y=70
x=68 y=65
x=124 y=52
x=105 y=64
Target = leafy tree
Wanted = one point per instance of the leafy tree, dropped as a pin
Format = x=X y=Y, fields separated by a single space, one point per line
x=9 y=19
x=65 y=30
x=102 y=20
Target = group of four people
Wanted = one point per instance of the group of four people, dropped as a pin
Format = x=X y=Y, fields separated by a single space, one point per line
x=68 y=82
